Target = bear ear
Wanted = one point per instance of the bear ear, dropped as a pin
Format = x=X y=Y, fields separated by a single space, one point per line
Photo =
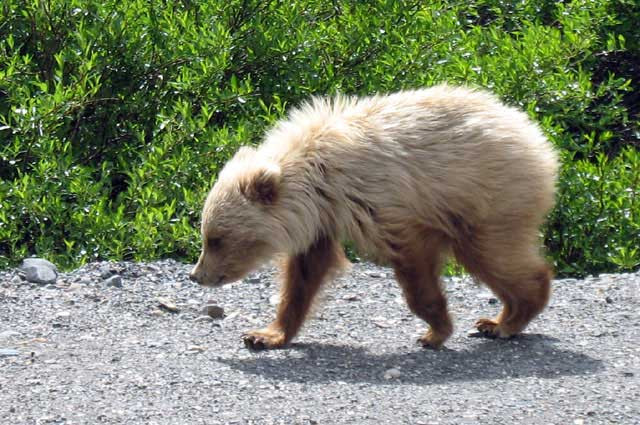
x=262 y=185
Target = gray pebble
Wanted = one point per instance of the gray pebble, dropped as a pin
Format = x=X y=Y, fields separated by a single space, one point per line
x=39 y=271
x=75 y=286
x=40 y=262
x=213 y=311
x=106 y=273
x=84 y=280
x=167 y=304
x=114 y=281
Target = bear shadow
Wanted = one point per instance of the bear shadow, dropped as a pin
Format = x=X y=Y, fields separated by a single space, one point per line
x=527 y=355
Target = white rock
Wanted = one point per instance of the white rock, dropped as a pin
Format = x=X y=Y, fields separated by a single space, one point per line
x=167 y=305
x=8 y=352
x=63 y=315
x=392 y=373
x=9 y=334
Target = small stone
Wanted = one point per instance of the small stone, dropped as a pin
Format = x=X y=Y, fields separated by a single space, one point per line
x=168 y=305
x=351 y=297
x=107 y=272
x=274 y=299
x=392 y=373
x=8 y=352
x=608 y=300
x=628 y=374
x=375 y=274
x=74 y=287
x=578 y=421
x=9 y=334
x=194 y=349
x=63 y=315
x=493 y=300
x=85 y=280
x=203 y=319
x=232 y=315
x=382 y=322
x=212 y=310
x=253 y=279
x=16 y=280
x=114 y=281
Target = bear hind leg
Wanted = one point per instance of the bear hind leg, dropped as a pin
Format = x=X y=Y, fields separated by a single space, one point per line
x=519 y=307
x=515 y=272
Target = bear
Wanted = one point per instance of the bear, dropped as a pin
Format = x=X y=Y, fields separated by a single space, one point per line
x=409 y=178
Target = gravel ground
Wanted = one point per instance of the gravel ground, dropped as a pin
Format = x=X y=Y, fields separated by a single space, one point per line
x=95 y=349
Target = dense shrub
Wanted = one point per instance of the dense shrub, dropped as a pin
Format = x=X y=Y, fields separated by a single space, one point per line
x=115 y=116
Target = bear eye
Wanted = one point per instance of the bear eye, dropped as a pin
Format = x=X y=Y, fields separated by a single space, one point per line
x=214 y=243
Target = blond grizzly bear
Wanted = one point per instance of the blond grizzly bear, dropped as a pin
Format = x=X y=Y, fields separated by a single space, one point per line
x=409 y=178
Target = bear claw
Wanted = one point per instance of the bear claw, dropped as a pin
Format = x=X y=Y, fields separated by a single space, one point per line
x=253 y=343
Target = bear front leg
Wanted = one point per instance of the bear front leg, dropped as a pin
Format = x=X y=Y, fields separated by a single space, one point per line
x=302 y=276
x=425 y=299
x=417 y=271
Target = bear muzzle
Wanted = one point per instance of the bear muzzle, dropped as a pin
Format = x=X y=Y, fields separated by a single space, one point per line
x=204 y=279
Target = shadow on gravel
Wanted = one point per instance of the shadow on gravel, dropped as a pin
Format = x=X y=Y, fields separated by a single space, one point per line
x=528 y=355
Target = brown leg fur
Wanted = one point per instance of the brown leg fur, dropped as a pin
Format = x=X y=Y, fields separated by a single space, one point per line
x=418 y=273
x=510 y=264
x=303 y=275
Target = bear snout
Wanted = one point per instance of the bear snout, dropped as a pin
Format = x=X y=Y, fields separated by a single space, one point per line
x=199 y=276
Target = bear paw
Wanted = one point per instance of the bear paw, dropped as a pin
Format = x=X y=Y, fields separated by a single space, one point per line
x=491 y=329
x=263 y=339
x=432 y=340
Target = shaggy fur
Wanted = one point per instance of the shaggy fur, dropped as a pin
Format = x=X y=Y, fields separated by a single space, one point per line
x=409 y=178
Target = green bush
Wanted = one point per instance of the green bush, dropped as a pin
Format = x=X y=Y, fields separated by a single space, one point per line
x=115 y=116
x=596 y=224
